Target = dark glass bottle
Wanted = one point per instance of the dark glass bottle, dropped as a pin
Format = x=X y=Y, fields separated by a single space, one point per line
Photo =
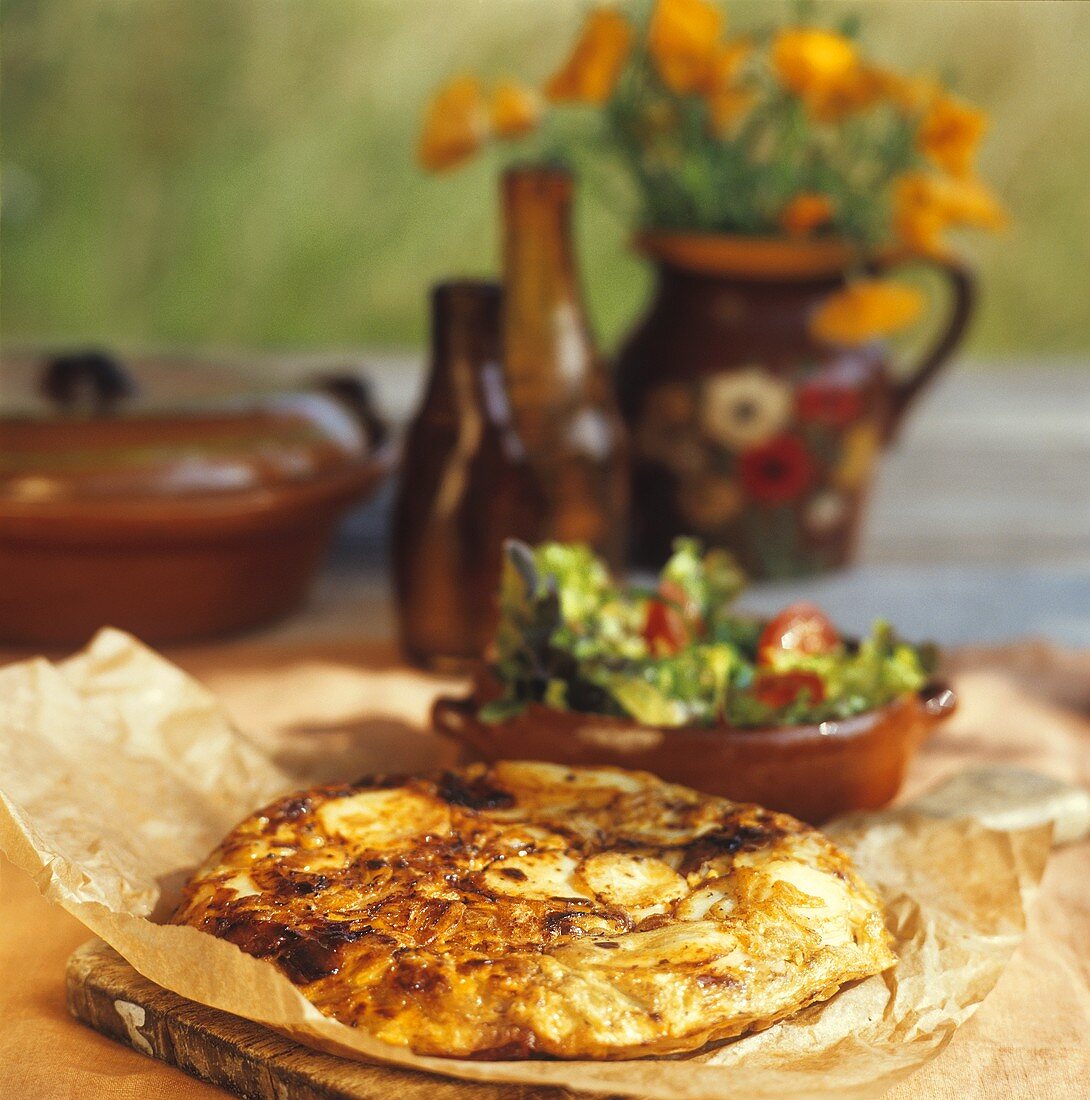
x=561 y=398
x=465 y=486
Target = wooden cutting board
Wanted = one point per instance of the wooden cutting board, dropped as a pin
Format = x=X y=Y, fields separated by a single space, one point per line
x=107 y=994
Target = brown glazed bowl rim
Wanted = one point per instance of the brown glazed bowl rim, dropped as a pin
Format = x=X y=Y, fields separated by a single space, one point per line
x=936 y=699
x=195 y=518
x=759 y=257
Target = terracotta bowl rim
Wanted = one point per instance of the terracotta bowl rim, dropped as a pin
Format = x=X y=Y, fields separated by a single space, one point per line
x=197 y=516
x=937 y=699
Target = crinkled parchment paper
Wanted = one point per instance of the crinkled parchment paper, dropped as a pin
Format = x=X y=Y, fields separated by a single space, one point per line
x=119 y=773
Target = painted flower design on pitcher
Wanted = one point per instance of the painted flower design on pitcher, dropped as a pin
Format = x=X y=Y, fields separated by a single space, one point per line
x=744 y=408
x=777 y=472
x=826 y=512
x=779 y=462
x=711 y=500
x=830 y=404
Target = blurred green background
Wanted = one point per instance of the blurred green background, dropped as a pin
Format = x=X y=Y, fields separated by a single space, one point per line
x=240 y=173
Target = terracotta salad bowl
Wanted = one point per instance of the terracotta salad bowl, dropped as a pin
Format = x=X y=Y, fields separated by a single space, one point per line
x=819 y=758
x=814 y=771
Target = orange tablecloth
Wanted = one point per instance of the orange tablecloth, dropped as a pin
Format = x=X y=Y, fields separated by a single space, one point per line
x=350 y=706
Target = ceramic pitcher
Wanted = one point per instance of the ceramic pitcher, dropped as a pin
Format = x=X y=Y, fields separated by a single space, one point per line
x=746 y=430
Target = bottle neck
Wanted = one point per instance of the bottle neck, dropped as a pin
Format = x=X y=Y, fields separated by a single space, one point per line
x=545 y=330
x=465 y=338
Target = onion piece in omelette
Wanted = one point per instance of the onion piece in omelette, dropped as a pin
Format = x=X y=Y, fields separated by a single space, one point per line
x=525 y=909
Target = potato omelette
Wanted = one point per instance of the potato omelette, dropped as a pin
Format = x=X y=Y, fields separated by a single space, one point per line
x=533 y=910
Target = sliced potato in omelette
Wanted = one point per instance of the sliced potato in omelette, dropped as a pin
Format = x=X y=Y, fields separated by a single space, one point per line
x=531 y=909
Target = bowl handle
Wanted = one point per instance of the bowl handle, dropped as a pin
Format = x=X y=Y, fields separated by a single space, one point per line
x=938 y=699
x=450 y=717
x=89 y=380
x=355 y=394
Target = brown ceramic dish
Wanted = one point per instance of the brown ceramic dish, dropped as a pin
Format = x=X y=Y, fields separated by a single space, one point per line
x=814 y=772
x=175 y=520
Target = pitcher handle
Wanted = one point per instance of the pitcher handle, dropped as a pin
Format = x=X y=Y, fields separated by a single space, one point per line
x=962 y=304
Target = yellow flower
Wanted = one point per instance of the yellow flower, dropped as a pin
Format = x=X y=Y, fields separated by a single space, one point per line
x=455 y=124
x=516 y=109
x=682 y=41
x=728 y=58
x=865 y=310
x=919 y=214
x=925 y=205
x=727 y=101
x=970 y=202
x=861 y=444
x=950 y=133
x=728 y=106
x=805 y=213
x=823 y=69
x=816 y=65
x=861 y=87
x=591 y=71
x=911 y=94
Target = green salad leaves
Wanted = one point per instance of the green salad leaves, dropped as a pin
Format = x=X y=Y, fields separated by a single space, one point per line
x=571 y=638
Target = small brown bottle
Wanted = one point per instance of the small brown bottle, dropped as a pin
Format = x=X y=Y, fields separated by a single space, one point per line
x=465 y=486
x=560 y=396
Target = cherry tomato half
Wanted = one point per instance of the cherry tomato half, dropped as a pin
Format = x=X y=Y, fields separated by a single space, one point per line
x=798 y=628
x=781 y=689
x=664 y=630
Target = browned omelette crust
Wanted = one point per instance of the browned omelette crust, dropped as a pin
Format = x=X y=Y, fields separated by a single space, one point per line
x=531 y=909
